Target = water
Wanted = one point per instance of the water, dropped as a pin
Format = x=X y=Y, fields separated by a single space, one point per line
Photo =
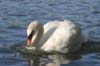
x=15 y=15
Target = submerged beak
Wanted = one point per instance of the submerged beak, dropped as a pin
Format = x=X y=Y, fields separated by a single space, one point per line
x=29 y=43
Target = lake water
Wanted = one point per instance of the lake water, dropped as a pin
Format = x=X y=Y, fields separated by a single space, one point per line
x=15 y=15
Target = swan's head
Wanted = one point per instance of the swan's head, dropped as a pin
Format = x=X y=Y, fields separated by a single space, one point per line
x=34 y=33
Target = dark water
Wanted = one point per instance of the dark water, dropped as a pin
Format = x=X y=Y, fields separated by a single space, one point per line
x=15 y=15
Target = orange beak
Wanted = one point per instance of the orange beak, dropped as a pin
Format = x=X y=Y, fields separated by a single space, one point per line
x=29 y=43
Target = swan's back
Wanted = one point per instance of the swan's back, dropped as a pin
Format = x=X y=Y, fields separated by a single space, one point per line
x=61 y=36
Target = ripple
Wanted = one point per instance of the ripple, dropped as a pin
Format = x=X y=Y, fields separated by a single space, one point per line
x=15 y=25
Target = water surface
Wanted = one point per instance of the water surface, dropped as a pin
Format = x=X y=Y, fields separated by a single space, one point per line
x=15 y=15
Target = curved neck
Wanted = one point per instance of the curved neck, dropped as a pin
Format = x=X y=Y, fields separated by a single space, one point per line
x=38 y=35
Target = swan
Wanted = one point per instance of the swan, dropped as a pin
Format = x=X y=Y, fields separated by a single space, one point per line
x=61 y=36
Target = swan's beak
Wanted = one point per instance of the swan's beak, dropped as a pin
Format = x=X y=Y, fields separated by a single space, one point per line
x=29 y=43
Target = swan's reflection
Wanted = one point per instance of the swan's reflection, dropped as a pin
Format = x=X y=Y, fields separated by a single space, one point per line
x=50 y=60
x=59 y=59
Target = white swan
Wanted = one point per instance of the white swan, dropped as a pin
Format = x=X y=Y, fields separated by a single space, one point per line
x=61 y=36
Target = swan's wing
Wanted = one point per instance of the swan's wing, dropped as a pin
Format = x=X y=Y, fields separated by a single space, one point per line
x=49 y=29
x=66 y=38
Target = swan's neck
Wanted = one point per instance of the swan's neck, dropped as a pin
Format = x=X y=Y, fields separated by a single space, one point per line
x=37 y=36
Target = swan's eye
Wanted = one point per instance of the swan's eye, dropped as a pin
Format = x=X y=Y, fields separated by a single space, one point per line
x=31 y=34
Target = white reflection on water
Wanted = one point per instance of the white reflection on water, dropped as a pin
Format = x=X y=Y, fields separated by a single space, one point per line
x=64 y=60
x=50 y=60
